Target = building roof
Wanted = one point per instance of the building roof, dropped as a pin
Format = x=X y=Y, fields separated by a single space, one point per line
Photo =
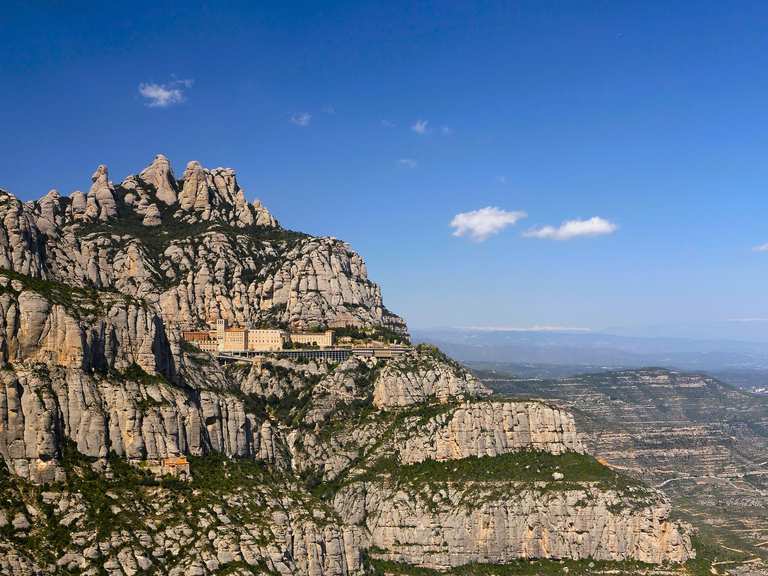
x=196 y=335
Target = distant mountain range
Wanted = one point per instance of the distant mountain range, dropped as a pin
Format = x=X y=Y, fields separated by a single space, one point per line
x=596 y=349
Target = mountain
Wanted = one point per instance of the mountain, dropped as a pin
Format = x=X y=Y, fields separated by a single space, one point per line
x=596 y=349
x=128 y=450
x=193 y=248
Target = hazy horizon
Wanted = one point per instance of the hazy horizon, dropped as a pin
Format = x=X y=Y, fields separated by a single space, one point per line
x=753 y=331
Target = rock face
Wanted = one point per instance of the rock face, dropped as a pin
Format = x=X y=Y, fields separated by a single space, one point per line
x=586 y=522
x=160 y=175
x=137 y=420
x=491 y=429
x=416 y=378
x=298 y=467
x=304 y=421
x=100 y=202
x=69 y=334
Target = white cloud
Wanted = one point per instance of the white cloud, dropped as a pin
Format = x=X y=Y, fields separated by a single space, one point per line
x=761 y=248
x=303 y=119
x=594 y=226
x=480 y=224
x=164 y=95
x=446 y=130
x=408 y=162
x=420 y=127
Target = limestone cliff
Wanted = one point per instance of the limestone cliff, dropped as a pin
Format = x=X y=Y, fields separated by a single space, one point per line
x=490 y=429
x=466 y=523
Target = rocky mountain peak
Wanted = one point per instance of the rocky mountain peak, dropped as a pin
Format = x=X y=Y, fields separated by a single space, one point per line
x=194 y=186
x=101 y=174
x=51 y=212
x=202 y=195
x=101 y=203
x=160 y=175
x=216 y=195
x=171 y=241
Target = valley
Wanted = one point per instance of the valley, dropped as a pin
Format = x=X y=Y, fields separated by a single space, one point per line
x=703 y=442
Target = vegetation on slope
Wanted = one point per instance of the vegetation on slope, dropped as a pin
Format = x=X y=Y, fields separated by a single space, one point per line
x=493 y=478
x=126 y=502
x=79 y=302
x=522 y=466
x=531 y=567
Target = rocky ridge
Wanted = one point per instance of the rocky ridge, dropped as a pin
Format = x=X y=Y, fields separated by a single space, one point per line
x=194 y=249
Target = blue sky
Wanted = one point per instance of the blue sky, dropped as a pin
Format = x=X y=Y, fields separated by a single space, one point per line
x=650 y=116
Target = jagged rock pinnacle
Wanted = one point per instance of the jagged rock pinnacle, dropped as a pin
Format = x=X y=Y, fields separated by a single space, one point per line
x=101 y=202
x=160 y=175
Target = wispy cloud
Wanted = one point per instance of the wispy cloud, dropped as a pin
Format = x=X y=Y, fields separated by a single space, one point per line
x=408 y=162
x=481 y=224
x=387 y=124
x=761 y=248
x=748 y=320
x=421 y=127
x=302 y=119
x=446 y=130
x=164 y=95
x=594 y=226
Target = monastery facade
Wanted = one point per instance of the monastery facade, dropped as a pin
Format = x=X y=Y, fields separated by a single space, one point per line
x=224 y=338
